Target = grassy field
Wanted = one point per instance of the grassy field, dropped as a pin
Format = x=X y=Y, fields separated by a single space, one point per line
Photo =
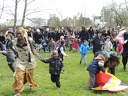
x=74 y=81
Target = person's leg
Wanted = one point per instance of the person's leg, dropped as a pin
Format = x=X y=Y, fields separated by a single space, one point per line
x=70 y=47
x=61 y=56
x=18 y=84
x=81 y=58
x=29 y=77
x=92 y=80
x=124 y=60
x=44 y=48
x=94 y=53
x=53 y=78
x=58 y=81
x=11 y=66
x=85 y=61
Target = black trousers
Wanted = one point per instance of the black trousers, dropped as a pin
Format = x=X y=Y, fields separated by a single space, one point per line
x=124 y=60
x=56 y=79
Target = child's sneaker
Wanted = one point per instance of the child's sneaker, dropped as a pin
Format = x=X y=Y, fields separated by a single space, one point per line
x=14 y=74
x=80 y=62
x=31 y=88
x=17 y=94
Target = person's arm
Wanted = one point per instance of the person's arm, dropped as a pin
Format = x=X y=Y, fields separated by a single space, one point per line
x=93 y=41
x=89 y=48
x=4 y=52
x=10 y=45
x=34 y=51
x=62 y=67
x=112 y=70
x=111 y=46
x=46 y=60
x=101 y=66
x=62 y=51
x=80 y=49
x=1 y=46
x=125 y=39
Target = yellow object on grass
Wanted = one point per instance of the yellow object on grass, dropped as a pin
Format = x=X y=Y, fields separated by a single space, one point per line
x=113 y=82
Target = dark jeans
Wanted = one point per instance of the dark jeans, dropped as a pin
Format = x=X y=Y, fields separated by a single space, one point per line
x=56 y=78
x=92 y=80
x=45 y=48
x=124 y=60
x=11 y=66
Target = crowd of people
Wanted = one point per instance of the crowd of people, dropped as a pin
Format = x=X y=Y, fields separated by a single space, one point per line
x=23 y=44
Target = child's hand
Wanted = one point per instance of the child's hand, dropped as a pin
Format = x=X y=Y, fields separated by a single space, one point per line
x=101 y=63
x=4 y=52
x=66 y=55
x=42 y=59
x=125 y=41
x=62 y=72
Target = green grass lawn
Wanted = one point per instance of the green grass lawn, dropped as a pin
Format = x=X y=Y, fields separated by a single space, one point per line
x=74 y=81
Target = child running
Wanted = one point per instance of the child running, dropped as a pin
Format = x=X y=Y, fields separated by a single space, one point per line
x=84 y=50
x=56 y=67
x=10 y=59
x=95 y=67
x=61 y=50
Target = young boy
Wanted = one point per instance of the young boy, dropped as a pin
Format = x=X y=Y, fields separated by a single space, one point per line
x=61 y=50
x=111 y=61
x=51 y=45
x=10 y=59
x=55 y=68
x=84 y=50
x=95 y=67
x=108 y=44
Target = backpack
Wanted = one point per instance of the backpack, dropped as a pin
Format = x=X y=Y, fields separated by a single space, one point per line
x=59 y=52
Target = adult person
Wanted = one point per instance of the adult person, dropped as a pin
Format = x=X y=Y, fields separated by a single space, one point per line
x=25 y=63
x=51 y=34
x=1 y=46
x=125 y=51
x=30 y=32
x=97 y=42
x=9 y=31
x=91 y=34
x=84 y=35
x=38 y=39
x=2 y=38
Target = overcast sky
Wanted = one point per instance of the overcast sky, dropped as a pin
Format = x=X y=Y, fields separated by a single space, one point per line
x=63 y=8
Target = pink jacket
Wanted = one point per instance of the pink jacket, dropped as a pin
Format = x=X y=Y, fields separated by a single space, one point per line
x=120 y=37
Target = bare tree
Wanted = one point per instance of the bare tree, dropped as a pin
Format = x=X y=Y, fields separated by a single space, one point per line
x=27 y=12
x=2 y=9
x=115 y=14
x=10 y=12
x=37 y=21
x=24 y=13
x=15 y=15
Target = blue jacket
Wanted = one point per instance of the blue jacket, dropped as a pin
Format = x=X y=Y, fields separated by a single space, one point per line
x=84 y=49
x=93 y=67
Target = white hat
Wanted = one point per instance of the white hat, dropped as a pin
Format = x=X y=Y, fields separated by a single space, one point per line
x=61 y=37
x=37 y=30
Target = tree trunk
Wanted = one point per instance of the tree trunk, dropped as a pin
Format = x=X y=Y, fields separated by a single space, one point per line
x=15 y=16
x=24 y=13
x=2 y=9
